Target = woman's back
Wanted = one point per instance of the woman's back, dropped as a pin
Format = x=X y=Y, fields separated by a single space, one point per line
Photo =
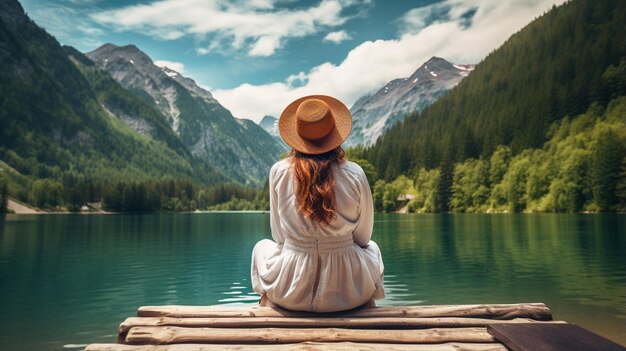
x=313 y=266
x=354 y=208
x=321 y=216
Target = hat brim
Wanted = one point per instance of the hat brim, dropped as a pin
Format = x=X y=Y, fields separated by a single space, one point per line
x=287 y=126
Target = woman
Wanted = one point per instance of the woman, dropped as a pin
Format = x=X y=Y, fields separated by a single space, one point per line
x=321 y=217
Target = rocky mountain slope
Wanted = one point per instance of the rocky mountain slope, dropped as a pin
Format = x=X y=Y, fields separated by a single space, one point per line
x=270 y=124
x=53 y=124
x=240 y=150
x=121 y=104
x=374 y=113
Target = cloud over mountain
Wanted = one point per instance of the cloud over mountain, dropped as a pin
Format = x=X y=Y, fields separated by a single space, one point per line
x=258 y=27
x=462 y=31
x=176 y=66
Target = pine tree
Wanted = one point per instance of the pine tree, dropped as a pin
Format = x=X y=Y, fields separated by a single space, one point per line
x=621 y=186
x=444 y=191
x=606 y=169
x=4 y=197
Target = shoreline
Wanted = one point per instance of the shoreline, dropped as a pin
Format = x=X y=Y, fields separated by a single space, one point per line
x=20 y=208
x=40 y=212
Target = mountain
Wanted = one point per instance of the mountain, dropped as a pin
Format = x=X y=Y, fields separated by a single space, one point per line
x=372 y=114
x=556 y=66
x=242 y=151
x=54 y=124
x=270 y=124
x=121 y=104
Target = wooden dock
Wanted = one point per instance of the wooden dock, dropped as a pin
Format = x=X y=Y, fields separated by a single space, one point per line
x=445 y=328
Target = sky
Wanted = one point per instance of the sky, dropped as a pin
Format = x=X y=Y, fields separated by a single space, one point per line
x=257 y=56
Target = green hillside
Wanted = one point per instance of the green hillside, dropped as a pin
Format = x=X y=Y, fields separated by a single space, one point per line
x=53 y=123
x=121 y=103
x=538 y=126
x=242 y=151
x=580 y=168
x=550 y=69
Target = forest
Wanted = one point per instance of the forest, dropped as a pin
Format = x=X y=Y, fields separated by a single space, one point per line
x=556 y=67
x=582 y=167
x=539 y=126
x=76 y=192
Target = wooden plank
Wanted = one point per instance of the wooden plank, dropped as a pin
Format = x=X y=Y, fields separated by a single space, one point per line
x=553 y=337
x=172 y=335
x=312 y=322
x=306 y=346
x=536 y=311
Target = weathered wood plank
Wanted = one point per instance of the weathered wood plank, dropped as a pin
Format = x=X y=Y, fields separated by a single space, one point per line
x=528 y=337
x=536 y=311
x=312 y=322
x=306 y=346
x=172 y=335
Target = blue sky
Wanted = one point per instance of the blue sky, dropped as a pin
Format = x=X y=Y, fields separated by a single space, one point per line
x=256 y=56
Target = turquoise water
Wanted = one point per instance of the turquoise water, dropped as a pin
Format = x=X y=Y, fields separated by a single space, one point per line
x=69 y=280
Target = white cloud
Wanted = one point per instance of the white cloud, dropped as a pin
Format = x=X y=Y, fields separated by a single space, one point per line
x=337 y=37
x=257 y=26
x=175 y=66
x=202 y=51
x=297 y=79
x=265 y=46
x=418 y=18
x=372 y=64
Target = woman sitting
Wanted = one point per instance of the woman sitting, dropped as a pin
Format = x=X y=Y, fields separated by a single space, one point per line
x=321 y=217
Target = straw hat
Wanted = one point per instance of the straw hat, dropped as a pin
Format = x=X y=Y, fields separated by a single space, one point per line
x=315 y=124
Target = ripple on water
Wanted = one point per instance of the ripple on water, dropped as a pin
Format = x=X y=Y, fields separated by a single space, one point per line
x=70 y=280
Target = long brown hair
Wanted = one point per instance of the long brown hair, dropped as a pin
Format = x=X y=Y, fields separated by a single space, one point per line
x=315 y=183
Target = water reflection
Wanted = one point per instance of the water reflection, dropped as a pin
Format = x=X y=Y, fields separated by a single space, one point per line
x=240 y=293
x=573 y=263
x=397 y=293
x=68 y=280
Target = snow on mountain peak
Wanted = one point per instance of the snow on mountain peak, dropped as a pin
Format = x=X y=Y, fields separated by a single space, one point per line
x=375 y=112
x=169 y=72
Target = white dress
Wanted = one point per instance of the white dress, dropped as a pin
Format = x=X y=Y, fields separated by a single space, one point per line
x=314 y=267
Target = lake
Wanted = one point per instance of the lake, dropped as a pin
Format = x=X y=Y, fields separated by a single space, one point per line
x=69 y=280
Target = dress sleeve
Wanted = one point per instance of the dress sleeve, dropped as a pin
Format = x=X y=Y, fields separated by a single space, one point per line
x=274 y=215
x=363 y=231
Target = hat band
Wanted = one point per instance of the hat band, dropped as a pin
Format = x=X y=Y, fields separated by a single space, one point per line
x=315 y=130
